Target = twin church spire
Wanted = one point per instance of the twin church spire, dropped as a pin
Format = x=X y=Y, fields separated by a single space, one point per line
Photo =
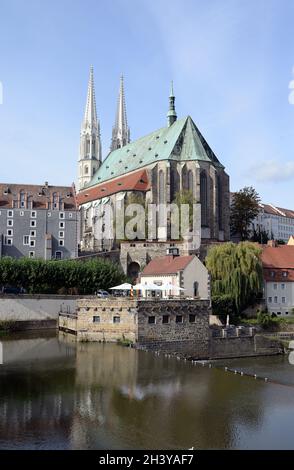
x=90 y=157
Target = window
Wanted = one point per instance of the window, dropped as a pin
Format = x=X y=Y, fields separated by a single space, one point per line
x=179 y=319
x=203 y=199
x=61 y=224
x=161 y=187
x=32 y=233
x=276 y=299
x=31 y=254
x=33 y=214
x=70 y=215
x=116 y=319
x=151 y=319
x=195 y=289
x=192 y=318
x=86 y=170
x=275 y=286
x=96 y=319
x=61 y=234
x=21 y=213
x=284 y=274
x=283 y=300
x=32 y=243
x=33 y=223
x=61 y=215
x=22 y=199
x=8 y=241
x=58 y=254
x=190 y=181
x=10 y=223
x=26 y=240
x=272 y=273
x=10 y=232
x=61 y=242
x=55 y=201
x=49 y=214
x=165 y=318
x=283 y=286
x=270 y=299
x=10 y=214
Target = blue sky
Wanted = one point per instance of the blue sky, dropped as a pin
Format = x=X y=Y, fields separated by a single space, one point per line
x=231 y=61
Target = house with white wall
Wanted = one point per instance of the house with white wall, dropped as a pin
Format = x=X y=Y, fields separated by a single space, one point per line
x=278 y=273
x=186 y=272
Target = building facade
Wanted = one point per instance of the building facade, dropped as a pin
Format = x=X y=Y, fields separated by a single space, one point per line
x=154 y=170
x=278 y=272
x=277 y=222
x=185 y=272
x=38 y=221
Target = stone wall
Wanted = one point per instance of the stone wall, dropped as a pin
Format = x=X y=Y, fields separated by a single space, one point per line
x=107 y=310
x=242 y=346
x=186 y=337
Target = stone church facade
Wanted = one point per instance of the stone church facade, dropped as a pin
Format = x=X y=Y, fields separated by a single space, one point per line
x=154 y=169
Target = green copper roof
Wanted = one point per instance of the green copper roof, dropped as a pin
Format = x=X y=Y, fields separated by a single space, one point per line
x=181 y=141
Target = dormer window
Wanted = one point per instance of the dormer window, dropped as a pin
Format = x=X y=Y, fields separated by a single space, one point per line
x=22 y=199
x=285 y=274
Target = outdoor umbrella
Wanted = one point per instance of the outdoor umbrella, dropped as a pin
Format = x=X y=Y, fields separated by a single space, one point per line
x=124 y=286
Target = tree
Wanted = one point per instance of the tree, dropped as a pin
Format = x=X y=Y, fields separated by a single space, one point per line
x=260 y=236
x=236 y=272
x=244 y=209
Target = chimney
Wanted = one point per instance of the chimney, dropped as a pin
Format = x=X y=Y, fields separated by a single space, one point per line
x=272 y=243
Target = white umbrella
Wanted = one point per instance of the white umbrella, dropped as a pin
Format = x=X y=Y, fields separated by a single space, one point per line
x=124 y=286
x=149 y=286
x=169 y=286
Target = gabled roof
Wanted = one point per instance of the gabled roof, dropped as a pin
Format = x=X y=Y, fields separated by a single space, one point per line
x=280 y=257
x=137 y=181
x=181 y=141
x=167 y=265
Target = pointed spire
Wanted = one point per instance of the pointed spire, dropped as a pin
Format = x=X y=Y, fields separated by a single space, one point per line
x=120 y=131
x=90 y=117
x=90 y=142
x=171 y=115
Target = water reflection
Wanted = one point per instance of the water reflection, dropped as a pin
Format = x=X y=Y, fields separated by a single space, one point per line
x=55 y=393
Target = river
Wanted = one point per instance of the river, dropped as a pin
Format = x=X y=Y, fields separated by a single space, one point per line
x=56 y=394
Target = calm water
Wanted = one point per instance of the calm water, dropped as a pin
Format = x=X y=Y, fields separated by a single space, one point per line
x=55 y=394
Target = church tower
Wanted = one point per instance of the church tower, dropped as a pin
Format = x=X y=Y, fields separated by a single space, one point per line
x=120 y=131
x=90 y=143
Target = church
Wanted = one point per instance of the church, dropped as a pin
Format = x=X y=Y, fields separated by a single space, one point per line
x=154 y=169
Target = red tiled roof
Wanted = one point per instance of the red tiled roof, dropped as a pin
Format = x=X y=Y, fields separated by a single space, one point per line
x=137 y=181
x=41 y=196
x=167 y=265
x=278 y=260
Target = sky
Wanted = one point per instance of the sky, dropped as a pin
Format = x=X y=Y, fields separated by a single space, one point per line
x=232 y=63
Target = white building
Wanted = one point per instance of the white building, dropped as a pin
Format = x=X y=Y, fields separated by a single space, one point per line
x=277 y=222
x=186 y=272
x=278 y=272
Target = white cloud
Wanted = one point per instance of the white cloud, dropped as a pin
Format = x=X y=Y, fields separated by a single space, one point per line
x=273 y=170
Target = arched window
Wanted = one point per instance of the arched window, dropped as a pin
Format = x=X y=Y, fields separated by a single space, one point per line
x=190 y=181
x=196 y=289
x=55 y=201
x=203 y=199
x=219 y=201
x=88 y=147
x=86 y=170
x=161 y=187
x=93 y=147
x=22 y=199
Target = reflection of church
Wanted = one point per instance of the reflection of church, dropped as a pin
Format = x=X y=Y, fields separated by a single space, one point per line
x=154 y=168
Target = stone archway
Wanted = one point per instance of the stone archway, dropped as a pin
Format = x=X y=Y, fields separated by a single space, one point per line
x=133 y=270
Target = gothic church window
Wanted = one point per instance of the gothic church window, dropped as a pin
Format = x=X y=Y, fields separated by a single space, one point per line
x=161 y=187
x=190 y=181
x=204 y=199
x=86 y=170
x=219 y=201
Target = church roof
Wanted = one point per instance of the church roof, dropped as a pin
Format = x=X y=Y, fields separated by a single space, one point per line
x=181 y=141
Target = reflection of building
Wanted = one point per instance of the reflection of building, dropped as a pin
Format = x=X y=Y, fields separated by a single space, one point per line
x=150 y=170
x=186 y=272
x=38 y=221
x=278 y=269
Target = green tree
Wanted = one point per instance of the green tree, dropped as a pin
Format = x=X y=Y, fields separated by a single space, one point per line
x=236 y=272
x=244 y=209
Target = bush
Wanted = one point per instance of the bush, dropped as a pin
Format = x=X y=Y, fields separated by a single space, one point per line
x=223 y=305
x=68 y=276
